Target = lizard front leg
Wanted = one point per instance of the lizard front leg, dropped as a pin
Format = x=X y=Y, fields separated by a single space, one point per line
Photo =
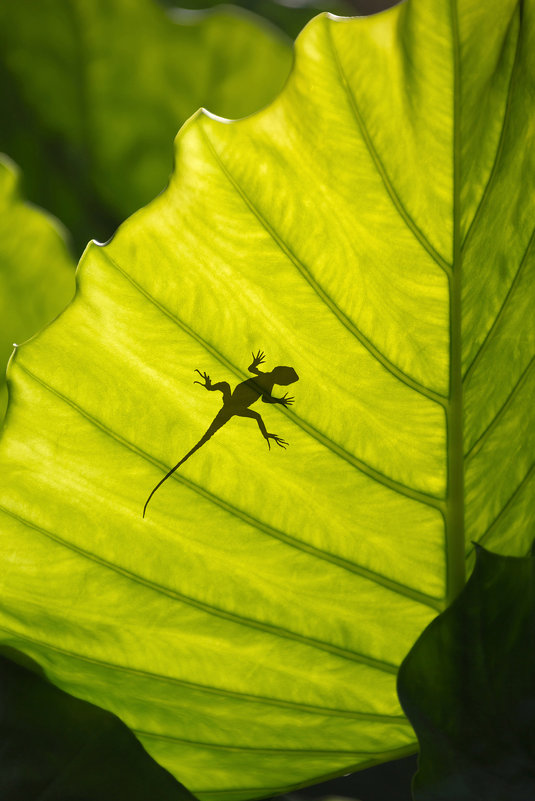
x=257 y=360
x=284 y=401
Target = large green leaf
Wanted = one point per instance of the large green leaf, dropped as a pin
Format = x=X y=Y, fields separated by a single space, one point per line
x=36 y=269
x=97 y=89
x=371 y=229
x=468 y=687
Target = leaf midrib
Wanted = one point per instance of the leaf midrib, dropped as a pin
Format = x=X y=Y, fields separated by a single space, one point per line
x=455 y=498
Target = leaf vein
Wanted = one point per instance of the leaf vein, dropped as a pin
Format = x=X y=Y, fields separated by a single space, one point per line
x=486 y=534
x=210 y=690
x=480 y=441
x=256 y=749
x=501 y=311
x=353 y=329
x=210 y=609
x=381 y=478
x=501 y=139
x=254 y=522
x=379 y=757
x=396 y=200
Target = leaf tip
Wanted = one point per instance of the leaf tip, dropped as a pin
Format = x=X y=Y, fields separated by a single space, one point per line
x=213 y=116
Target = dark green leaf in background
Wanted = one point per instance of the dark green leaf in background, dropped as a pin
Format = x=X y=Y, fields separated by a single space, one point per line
x=94 y=91
x=54 y=747
x=292 y=15
x=36 y=269
x=468 y=688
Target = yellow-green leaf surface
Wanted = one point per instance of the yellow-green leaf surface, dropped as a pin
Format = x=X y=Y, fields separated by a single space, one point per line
x=97 y=89
x=36 y=270
x=371 y=229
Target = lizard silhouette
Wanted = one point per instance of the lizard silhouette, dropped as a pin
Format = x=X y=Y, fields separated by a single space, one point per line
x=236 y=404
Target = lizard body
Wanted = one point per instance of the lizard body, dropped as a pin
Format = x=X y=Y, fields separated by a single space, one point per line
x=237 y=403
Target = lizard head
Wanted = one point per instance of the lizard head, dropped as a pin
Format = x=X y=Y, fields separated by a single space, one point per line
x=284 y=375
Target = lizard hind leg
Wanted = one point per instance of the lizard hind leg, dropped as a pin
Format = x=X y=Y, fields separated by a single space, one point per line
x=221 y=386
x=255 y=416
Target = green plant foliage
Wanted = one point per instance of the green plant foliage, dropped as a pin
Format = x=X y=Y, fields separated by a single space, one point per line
x=468 y=688
x=57 y=747
x=97 y=89
x=372 y=230
x=36 y=270
x=291 y=17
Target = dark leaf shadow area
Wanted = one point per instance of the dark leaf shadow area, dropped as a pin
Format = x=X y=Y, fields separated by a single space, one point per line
x=468 y=688
x=54 y=747
x=390 y=781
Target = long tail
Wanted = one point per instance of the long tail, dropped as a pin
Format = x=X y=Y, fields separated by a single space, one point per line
x=211 y=431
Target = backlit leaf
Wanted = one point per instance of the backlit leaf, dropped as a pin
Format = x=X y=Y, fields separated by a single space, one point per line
x=371 y=229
